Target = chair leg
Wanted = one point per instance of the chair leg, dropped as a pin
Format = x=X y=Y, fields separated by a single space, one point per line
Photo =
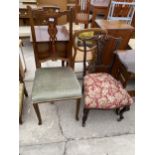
x=85 y=115
x=36 y=108
x=63 y=63
x=20 y=120
x=25 y=92
x=77 y=108
x=117 y=111
x=86 y=26
x=121 y=112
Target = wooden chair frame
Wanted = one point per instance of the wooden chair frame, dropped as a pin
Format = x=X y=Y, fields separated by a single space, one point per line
x=50 y=18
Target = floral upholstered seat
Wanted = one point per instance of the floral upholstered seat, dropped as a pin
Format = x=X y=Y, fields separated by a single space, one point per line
x=102 y=91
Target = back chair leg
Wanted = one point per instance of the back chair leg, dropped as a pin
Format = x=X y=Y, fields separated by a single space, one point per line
x=36 y=108
x=85 y=115
x=121 y=112
x=77 y=108
x=25 y=92
x=20 y=120
x=117 y=111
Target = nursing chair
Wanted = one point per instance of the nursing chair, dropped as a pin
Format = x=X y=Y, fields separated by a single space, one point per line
x=102 y=91
x=82 y=10
x=52 y=42
x=122 y=10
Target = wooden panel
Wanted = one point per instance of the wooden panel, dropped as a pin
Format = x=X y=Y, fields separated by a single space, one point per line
x=117 y=29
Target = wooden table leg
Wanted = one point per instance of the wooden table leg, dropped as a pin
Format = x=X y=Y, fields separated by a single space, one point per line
x=36 y=108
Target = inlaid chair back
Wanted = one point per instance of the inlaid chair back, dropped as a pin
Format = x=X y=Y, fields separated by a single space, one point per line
x=82 y=9
x=122 y=10
x=51 y=41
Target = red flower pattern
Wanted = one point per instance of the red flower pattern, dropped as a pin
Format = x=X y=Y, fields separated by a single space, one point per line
x=102 y=91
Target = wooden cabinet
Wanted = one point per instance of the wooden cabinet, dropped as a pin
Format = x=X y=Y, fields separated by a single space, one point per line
x=117 y=29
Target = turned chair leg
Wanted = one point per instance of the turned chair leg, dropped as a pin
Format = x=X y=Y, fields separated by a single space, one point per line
x=20 y=120
x=63 y=63
x=121 y=112
x=85 y=115
x=77 y=108
x=25 y=92
x=117 y=111
x=36 y=108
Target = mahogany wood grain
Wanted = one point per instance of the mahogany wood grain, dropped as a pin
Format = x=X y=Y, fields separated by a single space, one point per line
x=117 y=29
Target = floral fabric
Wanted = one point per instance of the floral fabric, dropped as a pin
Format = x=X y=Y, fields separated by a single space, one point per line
x=102 y=91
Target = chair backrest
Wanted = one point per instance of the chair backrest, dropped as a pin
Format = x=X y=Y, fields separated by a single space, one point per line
x=82 y=9
x=51 y=41
x=104 y=47
x=122 y=10
x=82 y=6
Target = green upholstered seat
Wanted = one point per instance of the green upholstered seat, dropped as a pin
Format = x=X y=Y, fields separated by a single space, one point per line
x=21 y=96
x=55 y=84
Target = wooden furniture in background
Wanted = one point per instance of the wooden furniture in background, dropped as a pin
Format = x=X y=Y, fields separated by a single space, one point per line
x=82 y=9
x=125 y=59
x=28 y=1
x=52 y=42
x=99 y=6
x=117 y=29
x=23 y=12
x=101 y=90
x=122 y=10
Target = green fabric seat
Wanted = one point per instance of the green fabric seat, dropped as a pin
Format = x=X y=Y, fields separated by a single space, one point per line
x=55 y=84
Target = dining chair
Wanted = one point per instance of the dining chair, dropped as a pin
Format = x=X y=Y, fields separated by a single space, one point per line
x=52 y=41
x=82 y=10
x=102 y=91
x=122 y=10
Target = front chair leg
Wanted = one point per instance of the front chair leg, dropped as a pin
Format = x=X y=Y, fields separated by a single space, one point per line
x=85 y=115
x=36 y=108
x=20 y=120
x=25 y=92
x=126 y=108
x=77 y=109
x=117 y=111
